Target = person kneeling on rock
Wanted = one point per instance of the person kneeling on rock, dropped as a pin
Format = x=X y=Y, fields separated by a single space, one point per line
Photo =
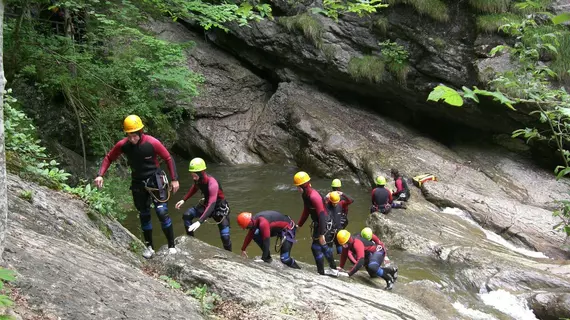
x=402 y=192
x=382 y=200
x=262 y=227
x=214 y=204
x=366 y=253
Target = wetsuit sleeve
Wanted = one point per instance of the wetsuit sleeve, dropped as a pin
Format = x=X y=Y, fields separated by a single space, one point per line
x=373 y=200
x=247 y=239
x=347 y=199
x=213 y=195
x=265 y=231
x=390 y=199
x=164 y=154
x=378 y=242
x=345 y=252
x=115 y=152
x=399 y=187
x=304 y=217
x=358 y=247
x=322 y=223
x=351 y=257
x=191 y=192
x=317 y=203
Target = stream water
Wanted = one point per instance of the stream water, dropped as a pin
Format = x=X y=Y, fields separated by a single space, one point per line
x=269 y=187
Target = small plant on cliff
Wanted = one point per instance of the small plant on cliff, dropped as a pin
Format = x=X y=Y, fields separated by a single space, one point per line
x=306 y=23
x=26 y=195
x=396 y=59
x=207 y=299
x=5 y=301
x=491 y=22
x=369 y=68
x=171 y=283
x=490 y=6
x=334 y=8
x=531 y=84
x=436 y=9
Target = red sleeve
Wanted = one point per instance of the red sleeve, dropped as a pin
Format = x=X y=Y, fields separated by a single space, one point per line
x=191 y=192
x=390 y=199
x=348 y=200
x=213 y=195
x=343 y=256
x=351 y=257
x=264 y=228
x=247 y=239
x=358 y=248
x=115 y=152
x=164 y=154
x=303 y=218
x=399 y=186
x=317 y=203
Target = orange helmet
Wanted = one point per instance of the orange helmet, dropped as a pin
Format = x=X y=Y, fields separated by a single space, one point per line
x=244 y=219
x=334 y=197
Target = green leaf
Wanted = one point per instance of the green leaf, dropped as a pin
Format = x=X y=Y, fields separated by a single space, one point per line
x=7 y=275
x=561 y=18
x=448 y=95
x=468 y=93
x=5 y=301
x=561 y=173
x=497 y=96
x=497 y=49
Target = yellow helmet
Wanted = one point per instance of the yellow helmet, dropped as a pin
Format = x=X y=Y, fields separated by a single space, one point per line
x=132 y=123
x=380 y=180
x=334 y=197
x=197 y=165
x=336 y=183
x=342 y=237
x=301 y=178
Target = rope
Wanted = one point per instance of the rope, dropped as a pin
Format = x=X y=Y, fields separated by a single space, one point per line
x=151 y=191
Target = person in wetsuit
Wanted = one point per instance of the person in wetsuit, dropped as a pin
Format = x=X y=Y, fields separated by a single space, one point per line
x=345 y=200
x=334 y=210
x=366 y=253
x=313 y=206
x=382 y=200
x=141 y=150
x=214 y=204
x=402 y=192
x=262 y=227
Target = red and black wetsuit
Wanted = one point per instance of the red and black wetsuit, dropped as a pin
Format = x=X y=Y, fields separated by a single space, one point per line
x=313 y=205
x=142 y=158
x=215 y=205
x=364 y=252
x=267 y=224
x=345 y=201
x=382 y=200
x=374 y=239
x=402 y=190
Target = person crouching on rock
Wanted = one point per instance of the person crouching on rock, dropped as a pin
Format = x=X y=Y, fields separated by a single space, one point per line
x=147 y=177
x=368 y=235
x=262 y=227
x=402 y=192
x=334 y=211
x=321 y=223
x=214 y=204
x=345 y=200
x=365 y=253
x=382 y=200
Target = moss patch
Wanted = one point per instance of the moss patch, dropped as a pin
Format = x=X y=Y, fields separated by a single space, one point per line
x=310 y=26
x=369 y=68
x=436 y=9
x=490 y=6
x=491 y=22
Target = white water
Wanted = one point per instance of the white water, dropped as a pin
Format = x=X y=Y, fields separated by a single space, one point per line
x=472 y=313
x=493 y=236
x=509 y=304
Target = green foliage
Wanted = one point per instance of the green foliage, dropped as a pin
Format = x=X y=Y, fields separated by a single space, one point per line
x=531 y=84
x=491 y=22
x=99 y=201
x=490 y=6
x=5 y=301
x=136 y=247
x=446 y=94
x=334 y=8
x=439 y=43
x=381 y=24
x=207 y=299
x=171 y=283
x=436 y=9
x=26 y=195
x=25 y=156
x=306 y=23
x=369 y=68
x=531 y=6
x=396 y=59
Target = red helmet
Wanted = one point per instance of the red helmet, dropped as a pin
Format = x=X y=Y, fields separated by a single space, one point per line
x=244 y=219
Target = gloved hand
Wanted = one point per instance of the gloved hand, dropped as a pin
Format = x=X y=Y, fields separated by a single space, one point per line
x=194 y=226
x=179 y=204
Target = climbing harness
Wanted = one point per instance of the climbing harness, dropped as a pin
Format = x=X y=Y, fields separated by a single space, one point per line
x=161 y=179
x=221 y=211
x=286 y=235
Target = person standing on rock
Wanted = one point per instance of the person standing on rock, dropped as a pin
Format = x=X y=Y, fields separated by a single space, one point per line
x=345 y=201
x=367 y=253
x=141 y=151
x=382 y=198
x=262 y=227
x=402 y=192
x=321 y=223
x=214 y=204
x=334 y=210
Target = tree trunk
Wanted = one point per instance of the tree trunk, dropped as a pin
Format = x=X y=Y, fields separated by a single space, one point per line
x=3 y=189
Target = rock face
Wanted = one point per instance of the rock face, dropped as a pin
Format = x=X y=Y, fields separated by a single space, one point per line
x=320 y=51
x=70 y=267
x=230 y=100
x=67 y=268
x=551 y=306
